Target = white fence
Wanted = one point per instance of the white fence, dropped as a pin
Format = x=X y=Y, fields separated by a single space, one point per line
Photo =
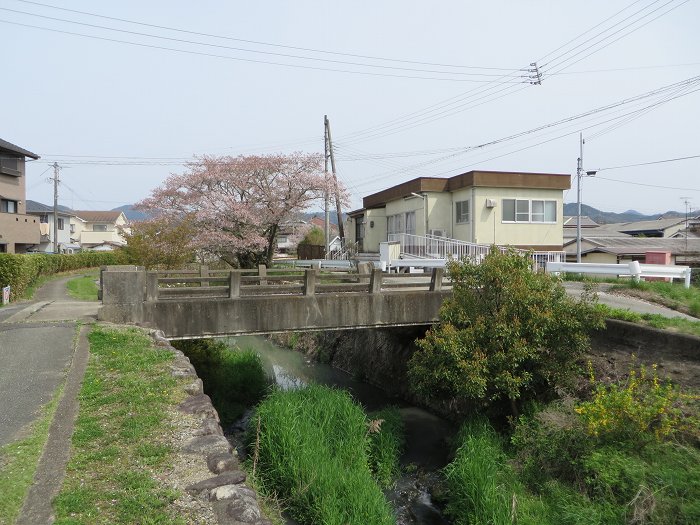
x=633 y=269
x=415 y=247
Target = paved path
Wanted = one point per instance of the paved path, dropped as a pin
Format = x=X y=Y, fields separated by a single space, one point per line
x=40 y=350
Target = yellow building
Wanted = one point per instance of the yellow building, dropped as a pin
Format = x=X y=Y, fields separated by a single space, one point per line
x=524 y=210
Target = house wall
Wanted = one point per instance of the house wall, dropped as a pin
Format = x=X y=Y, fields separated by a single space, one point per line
x=490 y=227
x=46 y=243
x=18 y=231
x=377 y=233
x=440 y=212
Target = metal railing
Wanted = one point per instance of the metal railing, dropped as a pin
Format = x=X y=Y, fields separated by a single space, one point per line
x=432 y=247
x=347 y=251
x=633 y=269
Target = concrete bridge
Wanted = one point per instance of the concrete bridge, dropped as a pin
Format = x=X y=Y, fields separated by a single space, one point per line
x=194 y=304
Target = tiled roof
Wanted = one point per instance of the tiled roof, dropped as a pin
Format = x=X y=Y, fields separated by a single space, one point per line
x=37 y=207
x=8 y=146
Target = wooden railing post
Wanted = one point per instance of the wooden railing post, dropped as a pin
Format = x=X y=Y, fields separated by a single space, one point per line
x=262 y=273
x=204 y=272
x=310 y=282
x=436 y=279
x=151 y=286
x=375 y=281
x=234 y=284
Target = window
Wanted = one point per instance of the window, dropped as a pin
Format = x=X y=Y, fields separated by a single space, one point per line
x=462 y=212
x=44 y=218
x=522 y=210
x=60 y=223
x=8 y=206
x=401 y=223
x=99 y=227
x=72 y=228
x=9 y=165
x=411 y=222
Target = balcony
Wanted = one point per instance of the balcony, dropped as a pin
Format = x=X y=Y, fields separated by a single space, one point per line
x=88 y=238
x=17 y=228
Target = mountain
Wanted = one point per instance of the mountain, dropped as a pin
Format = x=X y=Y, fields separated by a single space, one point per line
x=131 y=213
x=608 y=217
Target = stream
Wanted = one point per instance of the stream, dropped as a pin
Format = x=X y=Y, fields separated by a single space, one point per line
x=427 y=436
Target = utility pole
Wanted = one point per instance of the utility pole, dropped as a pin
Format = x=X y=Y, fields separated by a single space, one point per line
x=56 y=168
x=686 y=201
x=341 y=229
x=580 y=173
x=327 y=225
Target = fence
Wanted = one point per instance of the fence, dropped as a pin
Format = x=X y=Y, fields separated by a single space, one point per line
x=633 y=269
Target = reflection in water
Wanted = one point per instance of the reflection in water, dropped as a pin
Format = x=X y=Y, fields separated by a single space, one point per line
x=427 y=435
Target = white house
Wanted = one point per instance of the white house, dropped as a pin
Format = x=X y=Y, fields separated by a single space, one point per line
x=523 y=210
x=47 y=219
x=98 y=228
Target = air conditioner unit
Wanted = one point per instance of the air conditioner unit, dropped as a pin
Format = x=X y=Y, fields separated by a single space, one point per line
x=438 y=233
x=490 y=203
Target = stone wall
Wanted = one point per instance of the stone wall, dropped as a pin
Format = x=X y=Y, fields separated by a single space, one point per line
x=206 y=465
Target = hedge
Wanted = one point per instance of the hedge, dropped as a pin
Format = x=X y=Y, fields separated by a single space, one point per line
x=20 y=271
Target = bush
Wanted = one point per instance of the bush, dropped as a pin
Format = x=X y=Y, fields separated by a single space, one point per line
x=20 y=271
x=310 y=447
x=234 y=379
x=551 y=444
x=640 y=409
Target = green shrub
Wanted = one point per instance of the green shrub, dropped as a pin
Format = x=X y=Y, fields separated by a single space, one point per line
x=20 y=270
x=551 y=445
x=234 y=379
x=478 y=478
x=386 y=443
x=310 y=446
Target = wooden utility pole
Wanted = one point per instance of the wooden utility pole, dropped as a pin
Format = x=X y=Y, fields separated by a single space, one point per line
x=341 y=229
x=55 y=207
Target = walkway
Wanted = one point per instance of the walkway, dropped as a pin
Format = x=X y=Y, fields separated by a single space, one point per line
x=40 y=353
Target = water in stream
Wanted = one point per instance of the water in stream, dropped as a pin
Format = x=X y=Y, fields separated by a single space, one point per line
x=427 y=436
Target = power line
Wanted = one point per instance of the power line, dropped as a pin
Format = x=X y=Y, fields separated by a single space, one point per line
x=647 y=185
x=257 y=42
x=677 y=159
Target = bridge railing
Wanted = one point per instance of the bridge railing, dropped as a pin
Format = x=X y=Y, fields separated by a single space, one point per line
x=205 y=284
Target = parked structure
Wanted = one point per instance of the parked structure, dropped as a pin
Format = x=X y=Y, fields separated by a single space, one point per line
x=18 y=231
x=91 y=229
x=46 y=228
x=523 y=210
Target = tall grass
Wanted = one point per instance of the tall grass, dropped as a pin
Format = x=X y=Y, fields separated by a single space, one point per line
x=234 y=379
x=386 y=444
x=311 y=447
x=477 y=488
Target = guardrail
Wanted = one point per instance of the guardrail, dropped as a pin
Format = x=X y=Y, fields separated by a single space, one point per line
x=191 y=284
x=634 y=269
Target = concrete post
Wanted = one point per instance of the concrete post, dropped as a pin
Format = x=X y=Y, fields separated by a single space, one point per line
x=204 y=272
x=262 y=273
x=310 y=282
x=234 y=284
x=151 y=286
x=375 y=281
x=687 y=277
x=436 y=279
x=363 y=271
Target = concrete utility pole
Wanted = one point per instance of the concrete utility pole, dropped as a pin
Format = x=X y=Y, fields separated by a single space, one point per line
x=580 y=173
x=341 y=229
x=55 y=206
x=686 y=201
x=327 y=224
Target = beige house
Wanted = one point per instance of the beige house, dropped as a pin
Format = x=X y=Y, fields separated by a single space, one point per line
x=93 y=229
x=523 y=210
x=18 y=231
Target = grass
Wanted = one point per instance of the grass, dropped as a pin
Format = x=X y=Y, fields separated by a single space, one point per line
x=119 y=451
x=83 y=288
x=18 y=463
x=234 y=379
x=671 y=294
x=310 y=446
x=676 y=324
x=386 y=445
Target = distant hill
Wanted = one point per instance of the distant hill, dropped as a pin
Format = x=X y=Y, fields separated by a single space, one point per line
x=132 y=214
x=608 y=217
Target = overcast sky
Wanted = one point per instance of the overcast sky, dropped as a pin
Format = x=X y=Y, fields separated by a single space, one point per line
x=411 y=88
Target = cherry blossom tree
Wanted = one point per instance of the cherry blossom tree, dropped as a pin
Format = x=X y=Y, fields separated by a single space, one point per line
x=237 y=204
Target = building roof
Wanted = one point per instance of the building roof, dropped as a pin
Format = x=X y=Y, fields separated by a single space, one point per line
x=495 y=179
x=586 y=222
x=8 y=146
x=98 y=216
x=34 y=207
x=636 y=245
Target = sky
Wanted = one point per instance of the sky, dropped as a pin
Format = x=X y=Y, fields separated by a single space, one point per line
x=411 y=88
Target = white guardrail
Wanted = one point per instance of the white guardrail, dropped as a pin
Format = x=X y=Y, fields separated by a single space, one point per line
x=634 y=269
